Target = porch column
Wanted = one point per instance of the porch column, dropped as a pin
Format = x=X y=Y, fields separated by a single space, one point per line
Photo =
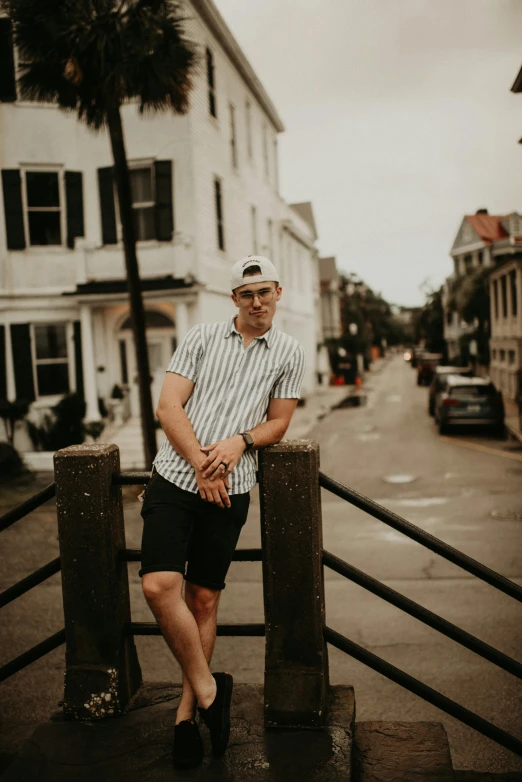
x=182 y=320
x=9 y=367
x=92 y=412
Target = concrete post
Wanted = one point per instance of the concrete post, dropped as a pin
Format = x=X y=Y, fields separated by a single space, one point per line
x=102 y=670
x=182 y=320
x=296 y=659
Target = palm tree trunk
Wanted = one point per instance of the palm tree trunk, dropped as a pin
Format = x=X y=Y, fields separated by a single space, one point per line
x=121 y=170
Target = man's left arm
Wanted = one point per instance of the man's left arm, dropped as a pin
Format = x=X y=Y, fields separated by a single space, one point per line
x=231 y=450
x=285 y=395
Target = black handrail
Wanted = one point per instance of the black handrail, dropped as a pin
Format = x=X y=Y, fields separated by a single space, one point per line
x=130 y=478
x=15 y=514
x=424 y=691
x=424 y=538
x=423 y=614
x=151 y=628
x=31 y=655
x=240 y=555
x=30 y=581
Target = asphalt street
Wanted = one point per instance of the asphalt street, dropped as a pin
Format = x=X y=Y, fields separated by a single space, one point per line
x=464 y=489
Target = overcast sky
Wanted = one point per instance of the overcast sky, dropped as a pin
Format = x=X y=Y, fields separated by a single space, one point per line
x=399 y=120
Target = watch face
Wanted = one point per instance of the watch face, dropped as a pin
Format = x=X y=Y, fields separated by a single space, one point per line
x=249 y=440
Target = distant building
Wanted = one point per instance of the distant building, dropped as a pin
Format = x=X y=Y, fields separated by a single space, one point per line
x=330 y=298
x=205 y=193
x=472 y=249
x=506 y=302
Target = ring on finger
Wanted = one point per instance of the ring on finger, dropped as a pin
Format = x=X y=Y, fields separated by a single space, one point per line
x=224 y=465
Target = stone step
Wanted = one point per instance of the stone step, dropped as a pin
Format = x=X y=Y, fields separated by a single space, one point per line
x=405 y=751
x=137 y=746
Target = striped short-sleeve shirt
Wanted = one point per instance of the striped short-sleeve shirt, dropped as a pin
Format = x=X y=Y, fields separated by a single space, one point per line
x=233 y=388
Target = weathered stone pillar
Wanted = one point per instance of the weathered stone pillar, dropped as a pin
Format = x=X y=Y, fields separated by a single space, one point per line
x=296 y=659
x=102 y=669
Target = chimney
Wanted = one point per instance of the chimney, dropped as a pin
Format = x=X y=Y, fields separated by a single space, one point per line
x=482 y=212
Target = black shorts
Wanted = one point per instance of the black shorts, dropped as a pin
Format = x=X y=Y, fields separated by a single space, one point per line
x=183 y=533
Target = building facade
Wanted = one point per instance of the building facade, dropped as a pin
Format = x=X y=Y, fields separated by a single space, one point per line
x=471 y=251
x=205 y=193
x=506 y=319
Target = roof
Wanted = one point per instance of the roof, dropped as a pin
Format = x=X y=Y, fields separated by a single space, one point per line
x=459 y=380
x=517 y=85
x=328 y=269
x=122 y=285
x=305 y=211
x=217 y=25
x=488 y=227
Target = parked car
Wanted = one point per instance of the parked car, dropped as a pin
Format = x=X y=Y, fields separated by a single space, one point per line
x=438 y=382
x=426 y=364
x=416 y=352
x=469 y=401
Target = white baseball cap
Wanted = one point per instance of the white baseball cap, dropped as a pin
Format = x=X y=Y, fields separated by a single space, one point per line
x=268 y=271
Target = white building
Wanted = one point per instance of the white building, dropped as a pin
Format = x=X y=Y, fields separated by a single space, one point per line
x=506 y=316
x=471 y=250
x=206 y=193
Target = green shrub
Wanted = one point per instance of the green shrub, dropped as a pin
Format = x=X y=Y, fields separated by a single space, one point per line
x=11 y=463
x=62 y=427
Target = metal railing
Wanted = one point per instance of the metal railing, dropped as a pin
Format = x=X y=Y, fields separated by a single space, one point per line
x=27 y=583
x=424 y=615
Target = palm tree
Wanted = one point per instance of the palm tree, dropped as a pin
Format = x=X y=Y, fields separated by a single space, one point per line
x=91 y=57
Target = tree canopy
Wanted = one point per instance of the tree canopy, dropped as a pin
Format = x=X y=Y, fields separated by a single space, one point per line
x=92 y=56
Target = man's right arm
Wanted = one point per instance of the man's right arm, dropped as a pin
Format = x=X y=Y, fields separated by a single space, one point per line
x=175 y=393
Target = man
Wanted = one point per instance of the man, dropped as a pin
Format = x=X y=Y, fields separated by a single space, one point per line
x=230 y=388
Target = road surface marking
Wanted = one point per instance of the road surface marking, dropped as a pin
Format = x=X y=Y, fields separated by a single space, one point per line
x=484 y=448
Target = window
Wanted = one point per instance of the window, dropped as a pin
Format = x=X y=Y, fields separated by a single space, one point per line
x=233 y=141
x=211 y=84
x=494 y=354
x=480 y=256
x=276 y=165
x=51 y=359
x=503 y=289
x=468 y=263
x=43 y=207
x=495 y=299
x=502 y=355
x=143 y=202
x=248 y=118
x=514 y=298
x=265 y=150
x=253 y=223
x=511 y=356
x=219 y=214
x=449 y=317
x=270 y=241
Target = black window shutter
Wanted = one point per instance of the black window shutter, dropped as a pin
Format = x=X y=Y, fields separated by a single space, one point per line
x=78 y=365
x=164 y=213
x=22 y=361
x=14 y=213
x=3 y=367
x=7 y=65
x=74 y=199
x=108 y=211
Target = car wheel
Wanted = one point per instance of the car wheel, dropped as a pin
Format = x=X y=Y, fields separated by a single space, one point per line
x=442 y=427
x=500 y=431
x=431 y=409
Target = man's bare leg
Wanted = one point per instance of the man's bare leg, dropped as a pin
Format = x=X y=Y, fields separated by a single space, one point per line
x=162 y=592
x=203 y=603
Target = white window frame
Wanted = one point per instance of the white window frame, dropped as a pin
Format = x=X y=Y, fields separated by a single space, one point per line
x=133 y=164
x=44 y=169
x=253 y=228
x=233 y=135
x=265 y=151
x=52 y=399
x=248 y=122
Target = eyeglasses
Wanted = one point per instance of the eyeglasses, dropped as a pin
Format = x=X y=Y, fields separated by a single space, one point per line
x=265 y=295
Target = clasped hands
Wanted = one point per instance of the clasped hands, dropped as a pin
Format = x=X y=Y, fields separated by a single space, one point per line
x=213 y=472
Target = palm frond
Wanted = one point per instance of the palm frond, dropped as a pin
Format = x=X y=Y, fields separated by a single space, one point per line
x=94 y=55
